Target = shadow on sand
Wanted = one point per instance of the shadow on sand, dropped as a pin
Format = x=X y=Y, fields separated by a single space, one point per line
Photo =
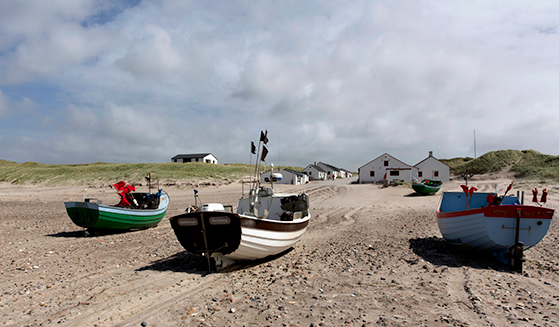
x=441 y=253
x=92 y=233
x=72 y=234
x=414 y=194
x=191 y=263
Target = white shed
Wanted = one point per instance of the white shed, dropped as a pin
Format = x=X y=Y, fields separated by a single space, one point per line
x=289 y=177
x=432 y=168
x=347 y=173
x=330 y=170
x=315 y=172
x=386 y=167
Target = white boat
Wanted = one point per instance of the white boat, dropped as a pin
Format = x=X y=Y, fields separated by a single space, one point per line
x=499 y=225
x=265 y=223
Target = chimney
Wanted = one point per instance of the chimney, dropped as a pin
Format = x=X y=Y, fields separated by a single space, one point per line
x=430 y=153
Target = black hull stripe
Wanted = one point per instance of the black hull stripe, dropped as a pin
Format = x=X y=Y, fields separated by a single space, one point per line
x=273 y=226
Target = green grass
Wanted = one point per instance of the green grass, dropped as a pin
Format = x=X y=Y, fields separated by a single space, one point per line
x=102 y=173
x=527 y=164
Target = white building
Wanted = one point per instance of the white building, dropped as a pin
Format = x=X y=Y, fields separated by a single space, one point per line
x=331 y=171
x=289 y=177
x=347 y=173
x=200 y=157
x=314 y=172
x=386 y=167
x=432 y=168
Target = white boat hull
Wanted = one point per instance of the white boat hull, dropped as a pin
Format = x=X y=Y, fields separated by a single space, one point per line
x=237 y=236
x=260 y=243
x=492 y=228
x=494 y=234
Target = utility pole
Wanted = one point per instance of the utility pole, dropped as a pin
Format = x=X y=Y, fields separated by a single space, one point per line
x=475 y=144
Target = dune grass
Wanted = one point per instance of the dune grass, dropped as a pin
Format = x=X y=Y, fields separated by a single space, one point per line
x=527 y=164
x=99 y=172
x=104 y=173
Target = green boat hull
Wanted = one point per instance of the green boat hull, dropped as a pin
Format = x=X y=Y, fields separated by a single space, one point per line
x=425 y=189
x=97 y=216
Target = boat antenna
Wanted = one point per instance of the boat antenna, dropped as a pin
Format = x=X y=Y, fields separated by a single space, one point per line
x=272 y=176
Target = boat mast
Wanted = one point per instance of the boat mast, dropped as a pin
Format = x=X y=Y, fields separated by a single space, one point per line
x=263 y=140
x=256 y=164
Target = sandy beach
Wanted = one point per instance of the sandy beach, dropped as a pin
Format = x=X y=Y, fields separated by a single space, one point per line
x=371 y=256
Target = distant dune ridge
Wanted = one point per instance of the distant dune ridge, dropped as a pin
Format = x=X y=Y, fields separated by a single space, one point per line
x=519 y=164
x=506 y=163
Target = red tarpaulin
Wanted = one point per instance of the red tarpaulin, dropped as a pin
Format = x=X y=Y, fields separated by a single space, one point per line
x=122 y=190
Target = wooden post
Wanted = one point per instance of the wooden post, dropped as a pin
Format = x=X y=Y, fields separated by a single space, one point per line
x=517 y=250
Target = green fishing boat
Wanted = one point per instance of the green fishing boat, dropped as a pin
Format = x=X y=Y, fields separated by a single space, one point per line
x=136 y=210
x=427 y=186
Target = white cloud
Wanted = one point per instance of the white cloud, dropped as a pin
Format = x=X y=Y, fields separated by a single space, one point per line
x=346 y=82
x=3 y=104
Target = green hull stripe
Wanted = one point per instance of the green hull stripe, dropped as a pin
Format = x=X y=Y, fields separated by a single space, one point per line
x=89 y=218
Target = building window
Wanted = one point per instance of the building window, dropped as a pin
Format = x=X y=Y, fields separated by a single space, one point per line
x=436 y=173
x=385 y=163
x=420 y=174
x=310 y=173
x=394 y=173
x=372 y=173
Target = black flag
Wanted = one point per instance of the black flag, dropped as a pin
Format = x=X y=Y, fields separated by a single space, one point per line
x=264 y=137
x=252 y=148
x=264 y=153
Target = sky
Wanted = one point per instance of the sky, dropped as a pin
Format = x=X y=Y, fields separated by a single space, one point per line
x=341 y=82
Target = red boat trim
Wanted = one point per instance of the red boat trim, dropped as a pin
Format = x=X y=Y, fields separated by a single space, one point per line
x=460 y=213
x=503 y=211
x=273 y=226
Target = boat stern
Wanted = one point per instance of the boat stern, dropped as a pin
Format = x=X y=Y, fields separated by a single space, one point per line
x=83 y=214
x=208 y=232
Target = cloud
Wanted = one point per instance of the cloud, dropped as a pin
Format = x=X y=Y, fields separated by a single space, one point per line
x=13 y=107
x=340 y=83
x=41 y=40
x=151 y=56
x=3 y=104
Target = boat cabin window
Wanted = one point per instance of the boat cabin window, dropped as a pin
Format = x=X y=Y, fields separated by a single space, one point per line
x=394 y=173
